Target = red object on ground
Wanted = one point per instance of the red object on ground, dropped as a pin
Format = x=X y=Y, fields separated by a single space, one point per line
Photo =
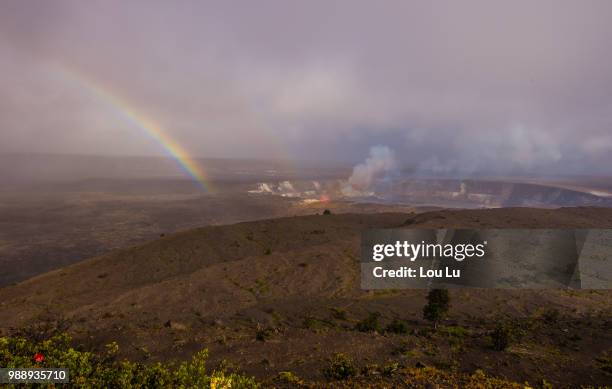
x=39 y=357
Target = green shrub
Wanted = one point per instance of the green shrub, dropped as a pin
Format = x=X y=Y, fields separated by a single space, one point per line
x=309 y=322
x=551 y=316
x=88 y=369
x=340 y=367
x=339 y=314
x=403 y=348
x=545 y=384
x=438 y=302
x=327 y=212
x=261 y=287
x=369 y=324
x=289 y=378
x=456 y=335
x=397 y=327
x=501 y=337
x=455 y=331
x=604 y=362
x=263 y=333
x=391 y=368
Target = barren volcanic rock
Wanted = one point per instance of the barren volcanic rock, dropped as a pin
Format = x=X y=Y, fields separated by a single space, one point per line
x=283 y=294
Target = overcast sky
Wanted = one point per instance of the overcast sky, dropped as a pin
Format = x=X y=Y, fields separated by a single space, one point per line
x=448 y=85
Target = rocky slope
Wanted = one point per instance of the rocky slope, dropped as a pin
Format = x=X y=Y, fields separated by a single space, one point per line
x=283 y=295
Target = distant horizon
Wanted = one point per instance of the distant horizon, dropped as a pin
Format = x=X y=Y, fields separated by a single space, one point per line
x=162 y=156
x=405 y=171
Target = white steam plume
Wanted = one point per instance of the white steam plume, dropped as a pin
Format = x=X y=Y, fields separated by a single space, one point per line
x=380 y=162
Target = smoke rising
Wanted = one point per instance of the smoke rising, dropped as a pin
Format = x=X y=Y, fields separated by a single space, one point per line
x=380 y=162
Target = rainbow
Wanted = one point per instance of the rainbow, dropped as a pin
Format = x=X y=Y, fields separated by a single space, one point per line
x=156 y=132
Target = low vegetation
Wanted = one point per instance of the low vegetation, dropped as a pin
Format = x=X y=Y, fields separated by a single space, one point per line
x=604 y=362
x=438 y=303
x=501 y=337
x=264 y=333
x=397 y=327
x=343 y=373
x=289 y=378
x=88 y=369
x=339 y=314
x=340 y=367
x=369 y=324
x=456 y=335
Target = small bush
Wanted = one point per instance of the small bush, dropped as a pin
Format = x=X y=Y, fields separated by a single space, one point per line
x=501 y=337
x=403 y=348
x=327 y=212
x=546 y=385
x=551 y=316
x=340 y=367
x=263 y=333
x=391 y=368
x=370 y=370
x=456 y=335
x=289 y=378
x=339 y=313
x=309 y=322
x=261 y=287
x=369 y=324
x=604 y=362
x=268 y=251
x=397 y=327
x=438 y=302
x=455 y=332
x=46 y=327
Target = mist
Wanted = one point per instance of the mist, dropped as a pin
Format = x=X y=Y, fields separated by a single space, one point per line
x=380 y=163
x=518 y=87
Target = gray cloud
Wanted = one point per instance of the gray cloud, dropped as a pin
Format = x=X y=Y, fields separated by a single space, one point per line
x=476 y=85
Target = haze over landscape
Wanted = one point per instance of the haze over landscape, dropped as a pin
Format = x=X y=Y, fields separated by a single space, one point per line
x=188 y=175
